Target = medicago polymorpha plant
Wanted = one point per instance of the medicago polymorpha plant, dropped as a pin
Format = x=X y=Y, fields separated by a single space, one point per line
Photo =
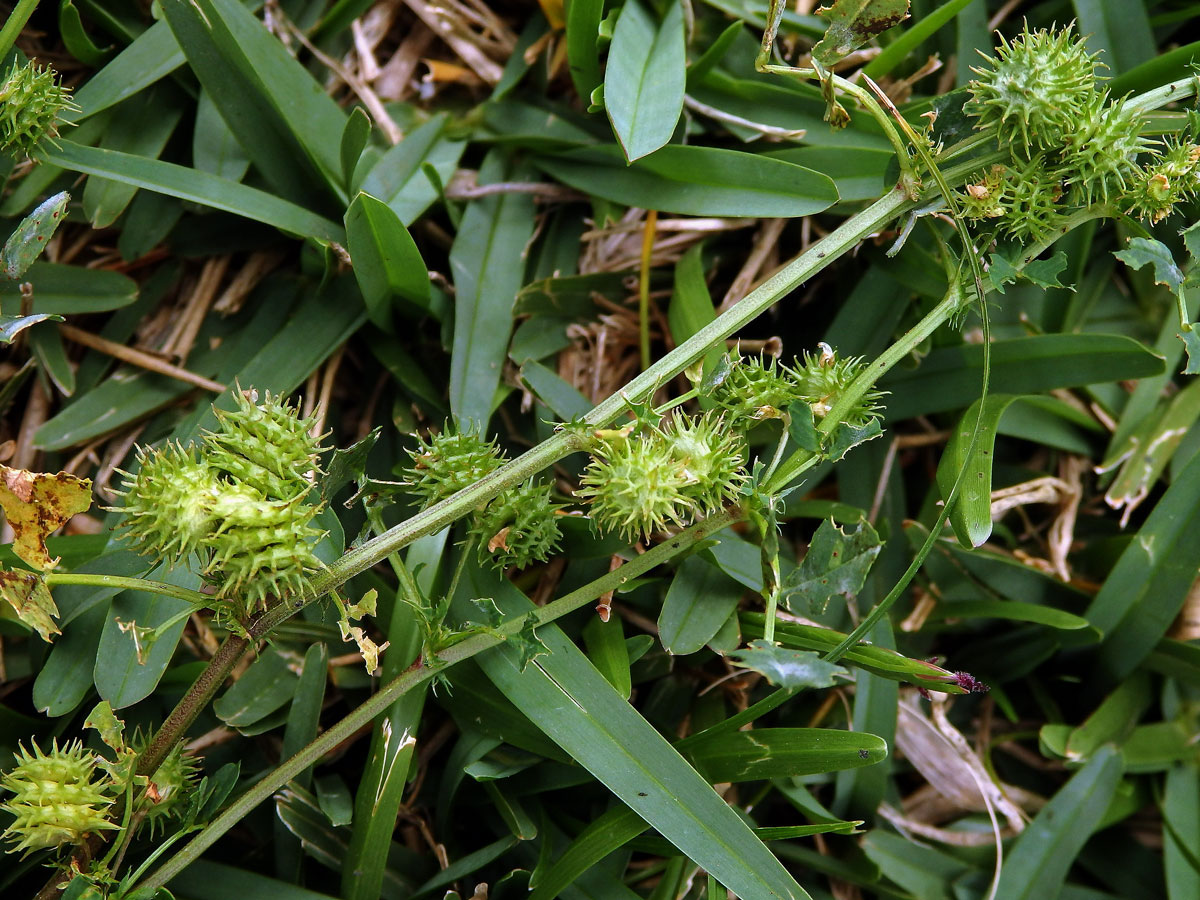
x=241 y=508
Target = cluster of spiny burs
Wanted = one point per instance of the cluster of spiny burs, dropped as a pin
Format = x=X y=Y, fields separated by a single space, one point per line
x=1071 y=144
x=62 y=796
x=657 y=472
x=238 y=504
x=651 y=475
x=516 y=528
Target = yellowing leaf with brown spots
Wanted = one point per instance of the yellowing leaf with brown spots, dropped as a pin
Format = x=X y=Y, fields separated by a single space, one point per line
x=29 y=596
x=37 y=504
x=854 y=22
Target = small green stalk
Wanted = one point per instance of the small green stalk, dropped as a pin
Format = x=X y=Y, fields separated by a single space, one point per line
x=909 y=179
x=802 y=460
x=122 y=583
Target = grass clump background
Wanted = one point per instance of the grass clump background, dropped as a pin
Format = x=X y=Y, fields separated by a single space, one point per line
x=585 y=449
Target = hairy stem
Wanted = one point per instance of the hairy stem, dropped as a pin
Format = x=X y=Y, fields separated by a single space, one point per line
x=198 y=696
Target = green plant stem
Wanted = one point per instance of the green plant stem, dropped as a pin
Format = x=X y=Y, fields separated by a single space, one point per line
x=419 y=674
x=127 y=584
x=804 y=459
x=909 y=180
x=14 y=23
x=908 y=175
x=198 y=696
x=1170 y=92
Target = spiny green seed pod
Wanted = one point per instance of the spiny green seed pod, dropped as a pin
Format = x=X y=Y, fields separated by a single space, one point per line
x=55 y=800
x=265 y=445
x=1038 y=86
x=1174 y=177
x=31 y=102
x=754 y=387
x=518 y=527
x=449 y=462
x=636 y=486
x=170 y=788
x=261 y=549
x=984 y=197
x=822 y=379
x=1100 y=155
x=1033 y=197
x=168 y=504
x=711 y=457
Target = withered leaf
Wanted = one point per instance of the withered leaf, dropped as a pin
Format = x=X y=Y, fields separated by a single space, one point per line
x=29 y=596
x=854 y=22
x=38 y=503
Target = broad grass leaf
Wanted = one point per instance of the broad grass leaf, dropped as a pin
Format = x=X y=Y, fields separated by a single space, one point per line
x=488 y=265
x=387 y=262
x=699 y=601
x=572 y=702
x=267 y=685
x=133 y=653
x=971 y=516
x=949 y=377
x=398 y=178
x=199 y=187
x=1151 y=579
x=152 y=56
x=279 y=113
x=140 y=126
x=735 y=756
x=60 y=289
x=1037 y=865
x=583 y=55
x=1121 y=33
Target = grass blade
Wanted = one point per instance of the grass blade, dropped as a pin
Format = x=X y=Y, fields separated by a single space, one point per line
x=1120 y=31
x=387 y=262
x=488 y=262
x=199 y=187
x=1043 y=854
x=971 y=517
x=1148 y=585
x=696 y=181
